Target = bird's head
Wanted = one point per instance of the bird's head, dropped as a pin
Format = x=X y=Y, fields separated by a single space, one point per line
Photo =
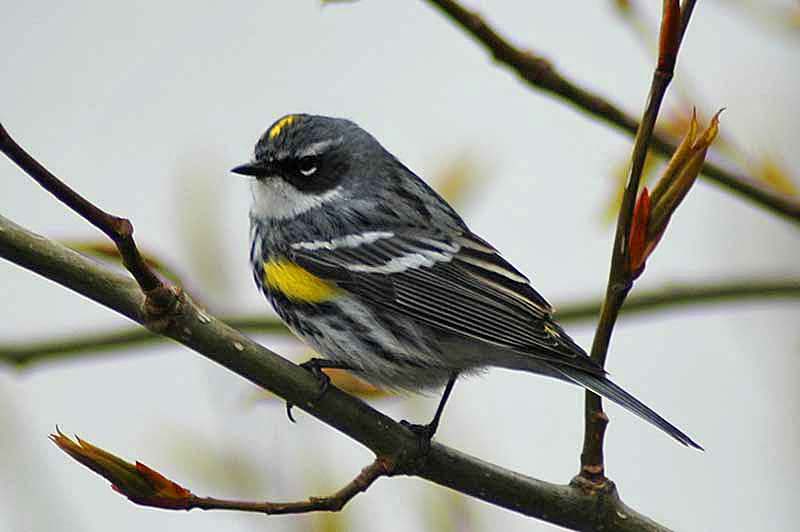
x=304 y=161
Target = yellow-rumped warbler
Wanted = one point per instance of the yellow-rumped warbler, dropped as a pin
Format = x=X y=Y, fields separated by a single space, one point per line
x=372 y=268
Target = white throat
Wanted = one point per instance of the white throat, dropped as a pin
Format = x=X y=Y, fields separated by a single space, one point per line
x=274 y=198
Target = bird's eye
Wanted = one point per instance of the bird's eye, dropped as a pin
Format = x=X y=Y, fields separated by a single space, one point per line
x=307 y=165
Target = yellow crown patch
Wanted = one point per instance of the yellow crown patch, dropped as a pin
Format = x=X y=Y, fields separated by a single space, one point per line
x=296 y=283
x=282 y=123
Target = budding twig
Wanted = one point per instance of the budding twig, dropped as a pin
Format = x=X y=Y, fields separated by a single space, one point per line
x=620 y=277
x=653 y=211
x=148 y=487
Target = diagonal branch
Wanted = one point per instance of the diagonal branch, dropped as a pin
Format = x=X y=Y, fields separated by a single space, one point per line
x=620 y=277
x=539 y=73
x=670 y=296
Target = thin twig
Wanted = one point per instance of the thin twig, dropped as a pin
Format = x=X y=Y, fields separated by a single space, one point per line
x=332 y=503
x=538 y=72
x=671 y=296
x=119 y=230
x=620 y=279
x=148 y=487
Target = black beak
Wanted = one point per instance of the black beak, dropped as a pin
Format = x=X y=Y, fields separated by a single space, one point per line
x=253 y=168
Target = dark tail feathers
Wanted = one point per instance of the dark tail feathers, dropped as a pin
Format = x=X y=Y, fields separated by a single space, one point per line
x=605 y=388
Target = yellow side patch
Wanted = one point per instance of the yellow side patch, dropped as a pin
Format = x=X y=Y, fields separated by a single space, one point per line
x=282 y=123
x=297 y=283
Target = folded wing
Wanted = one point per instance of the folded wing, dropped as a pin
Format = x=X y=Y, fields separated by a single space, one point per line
x=457 y=283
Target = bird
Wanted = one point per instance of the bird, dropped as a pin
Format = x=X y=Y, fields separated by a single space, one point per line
x=369 y=266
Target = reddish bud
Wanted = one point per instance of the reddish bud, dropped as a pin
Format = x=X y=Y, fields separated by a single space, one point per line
x=669 y=35
x=137 y=482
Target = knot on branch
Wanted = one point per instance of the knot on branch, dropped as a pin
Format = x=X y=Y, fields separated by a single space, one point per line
x=162 y=305
x=121 y=227
x=387 y=466
x=537 y=68
x=602 y=487
x=593 y=474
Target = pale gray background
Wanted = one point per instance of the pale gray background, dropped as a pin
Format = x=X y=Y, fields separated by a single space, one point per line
x=144 y=106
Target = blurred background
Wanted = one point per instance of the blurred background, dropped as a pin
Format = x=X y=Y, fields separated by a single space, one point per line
x=145 y=106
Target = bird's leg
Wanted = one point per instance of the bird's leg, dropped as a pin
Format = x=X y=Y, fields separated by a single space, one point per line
x=315 y=366
x=426 y=432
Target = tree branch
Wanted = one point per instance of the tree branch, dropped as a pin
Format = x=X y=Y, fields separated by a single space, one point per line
x=671 y=296
x=620 y=279
x=539 y=73
x=332 y=503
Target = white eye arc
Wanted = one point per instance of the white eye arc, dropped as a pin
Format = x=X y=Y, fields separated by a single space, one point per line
x=308 y=170
x=307 y=165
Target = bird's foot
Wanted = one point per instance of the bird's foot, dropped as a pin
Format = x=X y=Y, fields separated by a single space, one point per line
x=424 y=434
x=315 y=366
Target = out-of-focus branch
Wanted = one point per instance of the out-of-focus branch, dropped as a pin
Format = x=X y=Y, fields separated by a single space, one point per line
x=538 y=72
x=674 y=295
x=74 y=346
x=108 y=251
x=620 y=277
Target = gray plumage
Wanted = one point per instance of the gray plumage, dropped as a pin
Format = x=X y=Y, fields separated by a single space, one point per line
x=418 y=296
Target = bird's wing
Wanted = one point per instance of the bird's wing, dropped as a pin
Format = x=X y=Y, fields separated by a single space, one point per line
x=456 y=283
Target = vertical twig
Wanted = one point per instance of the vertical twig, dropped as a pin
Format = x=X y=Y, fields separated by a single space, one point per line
x=673 y=25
